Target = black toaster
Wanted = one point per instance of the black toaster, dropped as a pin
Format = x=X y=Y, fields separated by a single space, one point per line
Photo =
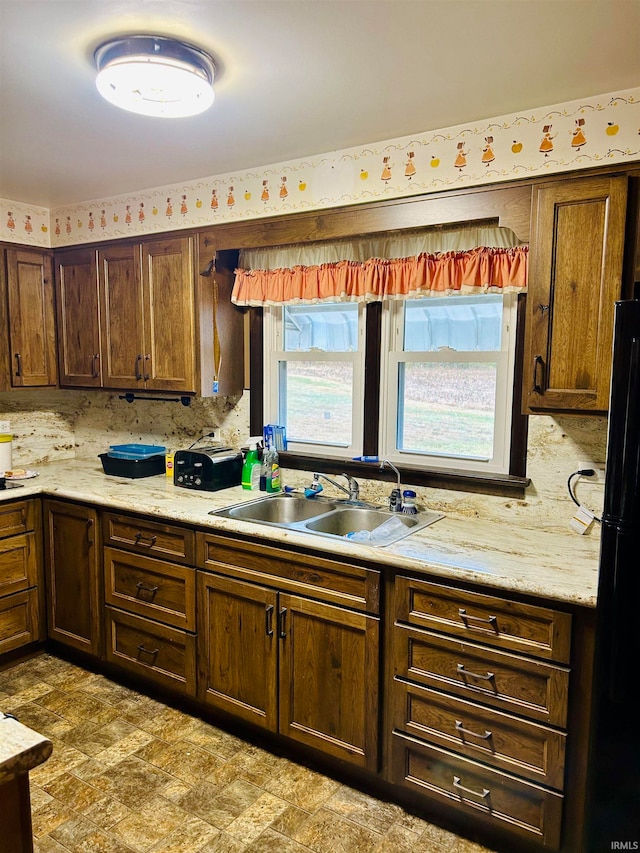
x=208 y=468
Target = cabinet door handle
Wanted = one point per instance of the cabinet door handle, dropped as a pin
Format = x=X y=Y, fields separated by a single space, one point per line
x=146 y=589
x=481 y=796
x=465 y=672
x=137 y=368
x=268 y=616
x=465 y=617
x=18 y=359
x=89 y=529
x=538 y=362
x=147 y=541
x=461 y=731
x=147 y=376
x=151 y=652
x=95 y=361
x=281 y=623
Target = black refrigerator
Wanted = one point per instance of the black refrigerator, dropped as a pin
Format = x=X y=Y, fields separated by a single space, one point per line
x=614 y=761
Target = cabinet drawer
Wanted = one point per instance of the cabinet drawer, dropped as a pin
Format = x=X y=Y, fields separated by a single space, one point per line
x=508 y=743
x=164 y=655
x=17 y=517
x=356 y=587
x=19 y=620
x=18 y=564
x=522 y=628
x=526 y=810
x=529 y=688
x=150 y=537
x=153 y=588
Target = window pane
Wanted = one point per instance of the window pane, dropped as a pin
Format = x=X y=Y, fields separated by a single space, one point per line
x=447 y=408
x=330 y=327
x=315 y=401
x=462 y=323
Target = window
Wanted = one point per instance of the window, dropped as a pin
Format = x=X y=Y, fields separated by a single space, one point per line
x=445 y=380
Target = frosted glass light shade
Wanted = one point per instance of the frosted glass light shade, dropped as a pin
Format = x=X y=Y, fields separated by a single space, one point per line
x=155 y=76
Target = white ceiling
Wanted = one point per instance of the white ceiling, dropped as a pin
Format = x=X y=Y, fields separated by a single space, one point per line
x=296 y=78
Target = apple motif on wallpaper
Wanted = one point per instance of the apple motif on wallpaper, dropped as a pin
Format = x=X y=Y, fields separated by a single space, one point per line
x=302 y=186
x=516 y=147
x=198 y=202
x=115 y=217
x=154 y=210
x=612 y=129
x=247 y=196
x=363 y=175
x=434 y=162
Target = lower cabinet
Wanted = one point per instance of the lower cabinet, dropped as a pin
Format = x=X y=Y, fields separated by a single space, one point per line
x=72 y=566
x=293 y=664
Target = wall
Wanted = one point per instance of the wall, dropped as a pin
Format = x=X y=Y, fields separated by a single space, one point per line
x=592 y=131
x=57 y=425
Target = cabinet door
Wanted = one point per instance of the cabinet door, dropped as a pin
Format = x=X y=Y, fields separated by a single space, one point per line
x=169 y=315
x=577 y=246
x=78 y=319
x=121 y=314
x=329 y=670
x=32 y=331
x=72 y=568
x=237 y=648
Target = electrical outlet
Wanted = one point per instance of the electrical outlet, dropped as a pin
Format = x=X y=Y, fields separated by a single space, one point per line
x=598 y=467
x=212 y=432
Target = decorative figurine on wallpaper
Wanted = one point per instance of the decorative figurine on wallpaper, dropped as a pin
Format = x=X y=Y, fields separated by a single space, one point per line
x=141 y=212
x=127 y=215
x=169 y=210
x=410 y=167
x=231 y=199
x=183 y=205
x=11 y=223
x=386 y=170
x=265 y=191
x=487 y=152
x=28 y=227
x=56 y=230
x=578 y=139
x=68 y=225
x=103 y=219
x=284 y=192
x=461 y=158
x=546 y=145
x=214 y=200
x=91 y=223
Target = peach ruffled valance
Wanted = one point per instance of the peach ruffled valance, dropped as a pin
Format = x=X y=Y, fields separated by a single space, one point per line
x=482 y=270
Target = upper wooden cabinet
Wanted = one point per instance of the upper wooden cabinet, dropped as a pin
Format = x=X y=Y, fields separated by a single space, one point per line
x=134 y=316
x=28 y=311
x=575 y=276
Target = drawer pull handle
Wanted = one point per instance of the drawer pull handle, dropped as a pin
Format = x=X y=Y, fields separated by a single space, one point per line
x=151 y=652
x=146 y=589
x=460 y=729
x=465 y=672
x=281 y=622
x=268 y=616
x=481 y=796
x=466 y=618
x=149 y=541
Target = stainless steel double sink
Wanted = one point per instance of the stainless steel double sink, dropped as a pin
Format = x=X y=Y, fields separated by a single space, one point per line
x=352 y=521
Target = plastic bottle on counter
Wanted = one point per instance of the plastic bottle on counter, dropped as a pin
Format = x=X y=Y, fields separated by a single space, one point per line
x=251 y=467
x=273 y=475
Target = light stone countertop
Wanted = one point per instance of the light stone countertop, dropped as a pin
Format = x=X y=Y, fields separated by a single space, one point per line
x=21 y=749
x=555 y=565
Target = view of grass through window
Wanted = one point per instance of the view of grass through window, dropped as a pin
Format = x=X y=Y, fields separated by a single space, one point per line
x=317 y=401
x=447 y=408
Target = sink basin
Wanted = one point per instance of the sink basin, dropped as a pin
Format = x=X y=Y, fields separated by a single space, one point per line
x=332 y=519
x=278 y=509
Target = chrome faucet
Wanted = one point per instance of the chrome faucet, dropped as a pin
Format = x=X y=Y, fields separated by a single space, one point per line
x=353 y=489
x=395 y=498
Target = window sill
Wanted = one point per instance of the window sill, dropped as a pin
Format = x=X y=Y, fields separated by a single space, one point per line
x=502 y=485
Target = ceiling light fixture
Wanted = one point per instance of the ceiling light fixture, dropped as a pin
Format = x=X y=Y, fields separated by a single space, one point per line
x=155 y=76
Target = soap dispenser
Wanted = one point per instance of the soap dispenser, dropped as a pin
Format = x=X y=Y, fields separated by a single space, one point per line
x=251 y=466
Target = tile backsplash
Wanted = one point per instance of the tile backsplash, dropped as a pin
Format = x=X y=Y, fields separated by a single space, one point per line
x=55 y=425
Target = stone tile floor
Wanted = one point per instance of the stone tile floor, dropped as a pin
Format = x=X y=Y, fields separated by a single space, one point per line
x=130 y=775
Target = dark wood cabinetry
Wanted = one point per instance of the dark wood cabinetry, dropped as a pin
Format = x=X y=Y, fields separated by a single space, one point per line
x=575 y=276
x=72 y=563
x=292 y=663
x=27 y=291
x=78 y=319
x=21 y=588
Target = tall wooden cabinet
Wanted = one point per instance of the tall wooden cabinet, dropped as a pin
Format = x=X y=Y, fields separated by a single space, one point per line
x=72 y=566
x=27 y=291
x=575 y=276
x=78 y=318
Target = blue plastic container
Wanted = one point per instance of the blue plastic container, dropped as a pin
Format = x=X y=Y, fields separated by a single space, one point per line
x=135 y=451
